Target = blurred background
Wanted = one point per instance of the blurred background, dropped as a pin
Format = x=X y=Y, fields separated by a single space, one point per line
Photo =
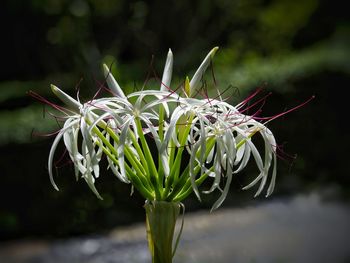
x=295 y=49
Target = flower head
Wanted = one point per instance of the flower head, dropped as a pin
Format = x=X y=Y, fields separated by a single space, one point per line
x=212 y=137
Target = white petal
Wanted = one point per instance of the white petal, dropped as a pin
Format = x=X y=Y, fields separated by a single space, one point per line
x=167 y=73
x=256 y=155
x=112 y=83
x=195 y=81
x=246 y=157
x=192 y=173
x=216 y=174
x=87 y=137
x=53 y=149
x=91 y=183
x=273 y=178
x=226 y=189
x=171 y=131
x=66 y=99
x=120 y=149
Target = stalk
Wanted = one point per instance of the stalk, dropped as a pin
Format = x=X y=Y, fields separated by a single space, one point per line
x=160 y=225
x=149 y=159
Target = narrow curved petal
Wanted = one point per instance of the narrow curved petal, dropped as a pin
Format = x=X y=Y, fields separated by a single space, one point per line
x=120 y=149
x=167 y=73
x=66 y=99
x=112 y=83
x=222 y=197
x=196 y=79
x=52 y=152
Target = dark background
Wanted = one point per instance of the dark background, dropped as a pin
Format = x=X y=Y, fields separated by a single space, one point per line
x=295 y=49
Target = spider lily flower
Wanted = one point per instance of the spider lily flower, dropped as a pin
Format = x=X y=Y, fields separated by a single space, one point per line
x=216 y=135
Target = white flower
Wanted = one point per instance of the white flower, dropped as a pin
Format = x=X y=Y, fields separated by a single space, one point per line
x=216 y=135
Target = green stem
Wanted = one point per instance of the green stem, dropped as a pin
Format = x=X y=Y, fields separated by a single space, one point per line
x=149 y=159
x=181 y=185
x=161 y=137
x=171 y=150
x=187 y=189
x=139 y=151
x=128 y=154
x=160 y=224
x=133 y=161
x=139 y=182
x=176 y=165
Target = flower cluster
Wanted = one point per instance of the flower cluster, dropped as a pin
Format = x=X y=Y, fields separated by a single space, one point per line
x=212 y=136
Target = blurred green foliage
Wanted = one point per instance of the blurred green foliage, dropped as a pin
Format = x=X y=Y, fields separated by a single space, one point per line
x=296 y=48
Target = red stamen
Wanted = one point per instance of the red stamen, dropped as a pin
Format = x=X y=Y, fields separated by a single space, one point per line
x=285 y=112
x=77 y=88
x=33 y=133
x=284 y=156
x=245 y=101
x=43 y=100
x=218 y=96
x=56 y=163
x=62 y=164
x=246 y=120
x=150 y=69
x=257 y=102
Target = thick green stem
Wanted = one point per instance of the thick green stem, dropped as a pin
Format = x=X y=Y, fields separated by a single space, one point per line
x=160 y=222
x=176 y=165
x=149 y=159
